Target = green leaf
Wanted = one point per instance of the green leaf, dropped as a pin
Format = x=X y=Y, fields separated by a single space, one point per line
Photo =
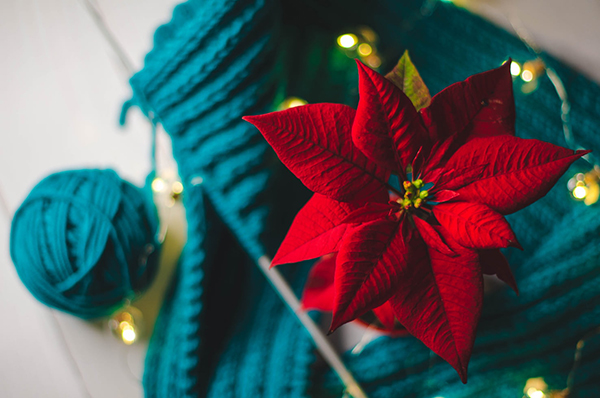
x=407 y=78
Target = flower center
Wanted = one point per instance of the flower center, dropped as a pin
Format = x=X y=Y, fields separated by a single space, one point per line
x=414 y=195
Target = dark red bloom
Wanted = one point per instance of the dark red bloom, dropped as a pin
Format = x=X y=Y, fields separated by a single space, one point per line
x=459 y=168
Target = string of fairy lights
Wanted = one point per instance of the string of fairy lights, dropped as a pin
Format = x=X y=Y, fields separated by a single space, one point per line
x=361 y=44
x=584 y=187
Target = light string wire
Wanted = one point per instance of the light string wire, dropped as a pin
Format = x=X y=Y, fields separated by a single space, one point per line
x=565 y=115
x=127 y=68
x=578 y=357
x=561 y=91
x=126 y=64
x=273 y=276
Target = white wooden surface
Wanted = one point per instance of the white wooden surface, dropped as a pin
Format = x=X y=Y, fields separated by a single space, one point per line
x=60 y=93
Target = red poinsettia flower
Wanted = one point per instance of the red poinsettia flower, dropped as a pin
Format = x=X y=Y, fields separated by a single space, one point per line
x=319 y=294
x=459 y=169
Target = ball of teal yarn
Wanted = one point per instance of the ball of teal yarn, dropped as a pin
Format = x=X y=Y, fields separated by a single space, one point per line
x=83 y=241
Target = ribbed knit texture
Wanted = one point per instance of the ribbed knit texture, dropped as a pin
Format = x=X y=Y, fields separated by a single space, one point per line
x=211 y=65
x=223 y=332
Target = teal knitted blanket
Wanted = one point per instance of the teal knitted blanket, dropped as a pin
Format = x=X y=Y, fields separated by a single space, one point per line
x=222 y=331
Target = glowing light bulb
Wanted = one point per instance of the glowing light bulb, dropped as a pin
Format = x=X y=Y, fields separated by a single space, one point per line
x=374 y=61
x=527 y=75
x=535 y=393
x=158 y=184
x=128 y=335
x=515 y=68
x=580 y=192
x=127 y=332
x=127 y=325
x=347 y=40
x=586 y=187
x=365 y=49
x=177 y=187
x=534 y=387
x=296 y=102
x=291 y=102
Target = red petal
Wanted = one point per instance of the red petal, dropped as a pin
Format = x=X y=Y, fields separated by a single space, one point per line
x=482 y=106
x=443 y=196
x=387 y=127
x=314 y=141
x=439 y=155
x=455 y=179
x=385 y=314
x=318 y=291
x=436 y=173
x=475 y=225
x=440 y=302
x=494 y=262
x=370 y=264
x=432 y=238
x=369 y=212
x=519 y=171
x=433 y=176
x=316 y=230
x=418 y=162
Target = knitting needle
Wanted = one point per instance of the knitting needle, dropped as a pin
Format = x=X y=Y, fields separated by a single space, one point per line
x=323 y=345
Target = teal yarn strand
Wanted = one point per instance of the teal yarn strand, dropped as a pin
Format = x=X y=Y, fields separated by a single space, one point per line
x=85 y=240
